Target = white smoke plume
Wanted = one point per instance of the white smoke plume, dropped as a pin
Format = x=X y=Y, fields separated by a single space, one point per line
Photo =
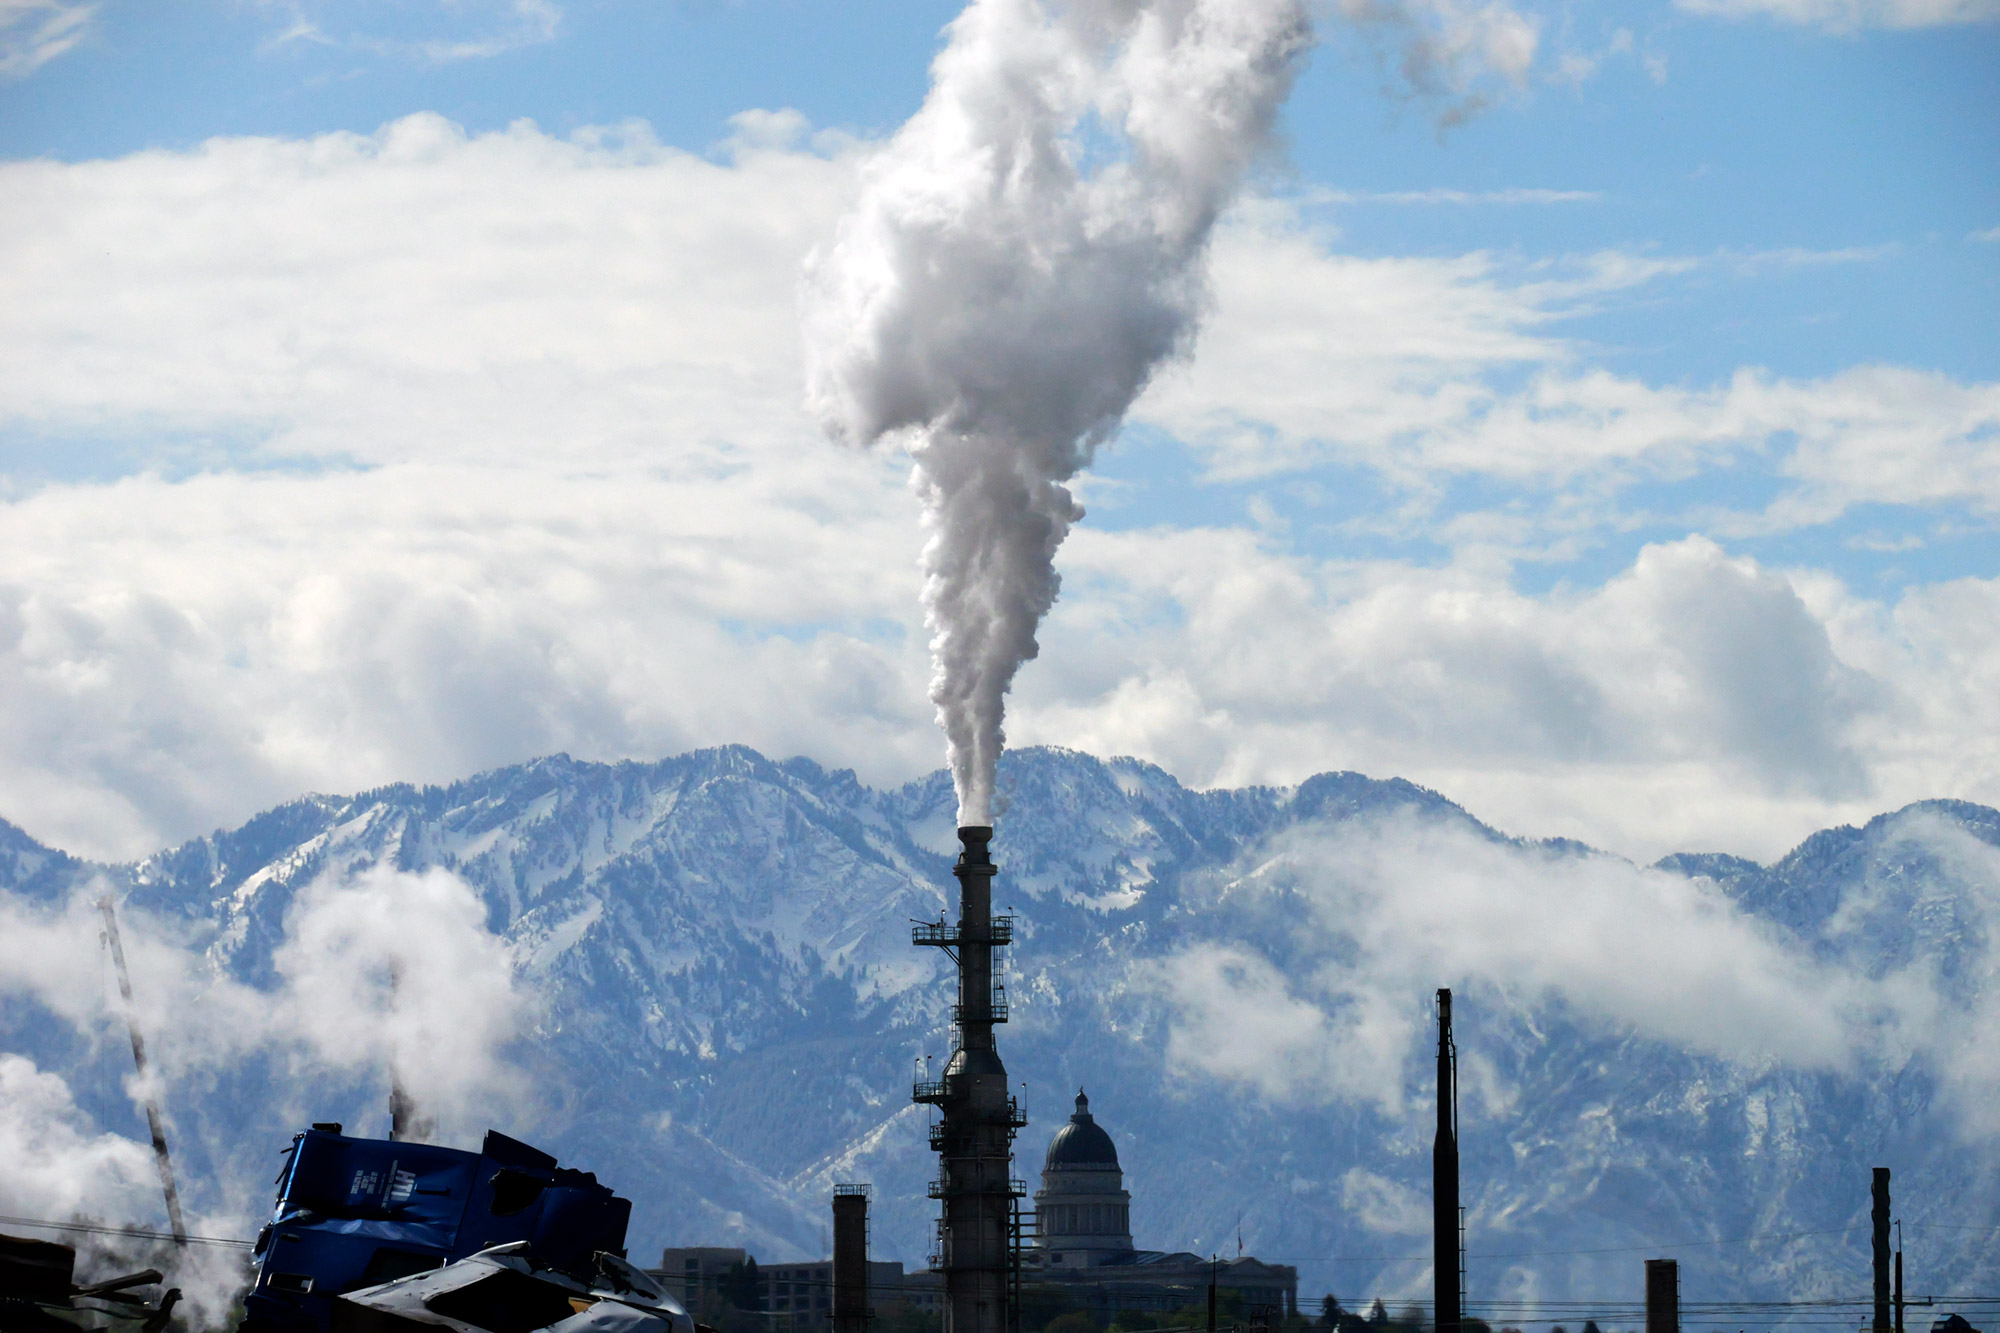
x=1025 y=252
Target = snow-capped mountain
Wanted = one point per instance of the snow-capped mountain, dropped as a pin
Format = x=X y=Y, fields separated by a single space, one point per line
x=727 y=1013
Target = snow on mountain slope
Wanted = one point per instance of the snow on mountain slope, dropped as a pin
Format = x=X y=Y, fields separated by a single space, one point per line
x=725 y=1012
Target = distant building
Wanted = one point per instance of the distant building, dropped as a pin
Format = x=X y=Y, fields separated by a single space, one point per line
x=805 y=1291
x=1083 y=1246
x=801 y=1293
x=1083 y=1209
x=691 y=1272
x=1083 y=1237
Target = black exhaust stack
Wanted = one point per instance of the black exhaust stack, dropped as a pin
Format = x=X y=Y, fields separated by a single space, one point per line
x=1444 y=1177
x=975 y=1137
x=851 y=1313
x=1880 y=1217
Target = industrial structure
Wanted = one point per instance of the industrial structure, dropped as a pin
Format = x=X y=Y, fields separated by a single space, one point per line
x=1879 y=1216
x=974 y=1138
x=1447 y=1244
x=1663 y=1296
x=850 y=1259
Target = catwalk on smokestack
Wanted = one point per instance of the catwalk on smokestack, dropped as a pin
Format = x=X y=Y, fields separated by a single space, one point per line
x=975 y=1137
x=1444 y=1175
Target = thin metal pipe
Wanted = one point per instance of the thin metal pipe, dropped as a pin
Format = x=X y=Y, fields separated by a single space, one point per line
x=153 y=1120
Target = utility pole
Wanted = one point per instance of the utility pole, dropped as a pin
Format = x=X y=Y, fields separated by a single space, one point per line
x=1211 y=1294
x=153 y=1121
x=1899 y=1277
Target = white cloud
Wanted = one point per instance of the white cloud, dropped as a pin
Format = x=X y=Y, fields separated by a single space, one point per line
x=1375 y=912
x=443 y=33
x=1384 y=1206
x=391 y=970
x=1848 y=15
x=1411 y=367
x=59 y=1164
x=444 y=450
x=34 y=32
x=1694 y=701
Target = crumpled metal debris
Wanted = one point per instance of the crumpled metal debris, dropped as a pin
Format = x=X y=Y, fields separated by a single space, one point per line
x=507 y=1289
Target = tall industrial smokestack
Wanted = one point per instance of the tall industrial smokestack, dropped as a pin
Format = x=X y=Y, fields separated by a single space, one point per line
x=975 y=1138
x=1663 y=1296
x=1444 y=1175
x=1880 y=1217
x=850 y=1259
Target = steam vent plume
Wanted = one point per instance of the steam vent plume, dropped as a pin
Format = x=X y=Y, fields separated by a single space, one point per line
x=999 y=295
x=974 y=1137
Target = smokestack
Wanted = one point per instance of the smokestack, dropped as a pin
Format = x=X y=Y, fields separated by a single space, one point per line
x=850 y=1259
x=1444 y=1176
x=975 y=1139
x=153 y=1120
x=1663 y=1296
x=1880 y=1217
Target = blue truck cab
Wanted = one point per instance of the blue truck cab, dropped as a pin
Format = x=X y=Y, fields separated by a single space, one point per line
x=354 y=1213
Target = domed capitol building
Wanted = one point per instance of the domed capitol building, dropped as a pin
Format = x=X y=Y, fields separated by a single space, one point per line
x=1083 y=1216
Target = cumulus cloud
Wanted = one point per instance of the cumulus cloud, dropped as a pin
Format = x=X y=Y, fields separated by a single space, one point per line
x=1679 y=687
x=60 y=1164
x=366 y=458
x=1375 y=912
x=1400 y=905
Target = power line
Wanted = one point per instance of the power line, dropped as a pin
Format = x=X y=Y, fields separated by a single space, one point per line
x=1546 y=1254
x=139 y=1233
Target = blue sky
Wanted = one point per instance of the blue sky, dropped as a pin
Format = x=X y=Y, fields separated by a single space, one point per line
x=1599 y=428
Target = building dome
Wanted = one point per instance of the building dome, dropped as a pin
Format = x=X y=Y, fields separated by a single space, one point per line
x=1083 y=1214
x=1082 y=1144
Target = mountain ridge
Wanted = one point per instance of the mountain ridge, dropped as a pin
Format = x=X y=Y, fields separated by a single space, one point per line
x=729 y=1009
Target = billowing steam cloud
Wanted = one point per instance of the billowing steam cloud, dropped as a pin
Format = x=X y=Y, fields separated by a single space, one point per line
x=381 y=972
x=1025 y=252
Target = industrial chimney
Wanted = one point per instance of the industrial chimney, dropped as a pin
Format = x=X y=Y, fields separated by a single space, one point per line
x=975 y=1138
x=850 y=1259
x=1444 y=1177
x=1880 y=1217
x=1663 y=1296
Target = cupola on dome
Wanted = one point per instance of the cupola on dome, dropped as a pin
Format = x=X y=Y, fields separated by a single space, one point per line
x=1082 y=1144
